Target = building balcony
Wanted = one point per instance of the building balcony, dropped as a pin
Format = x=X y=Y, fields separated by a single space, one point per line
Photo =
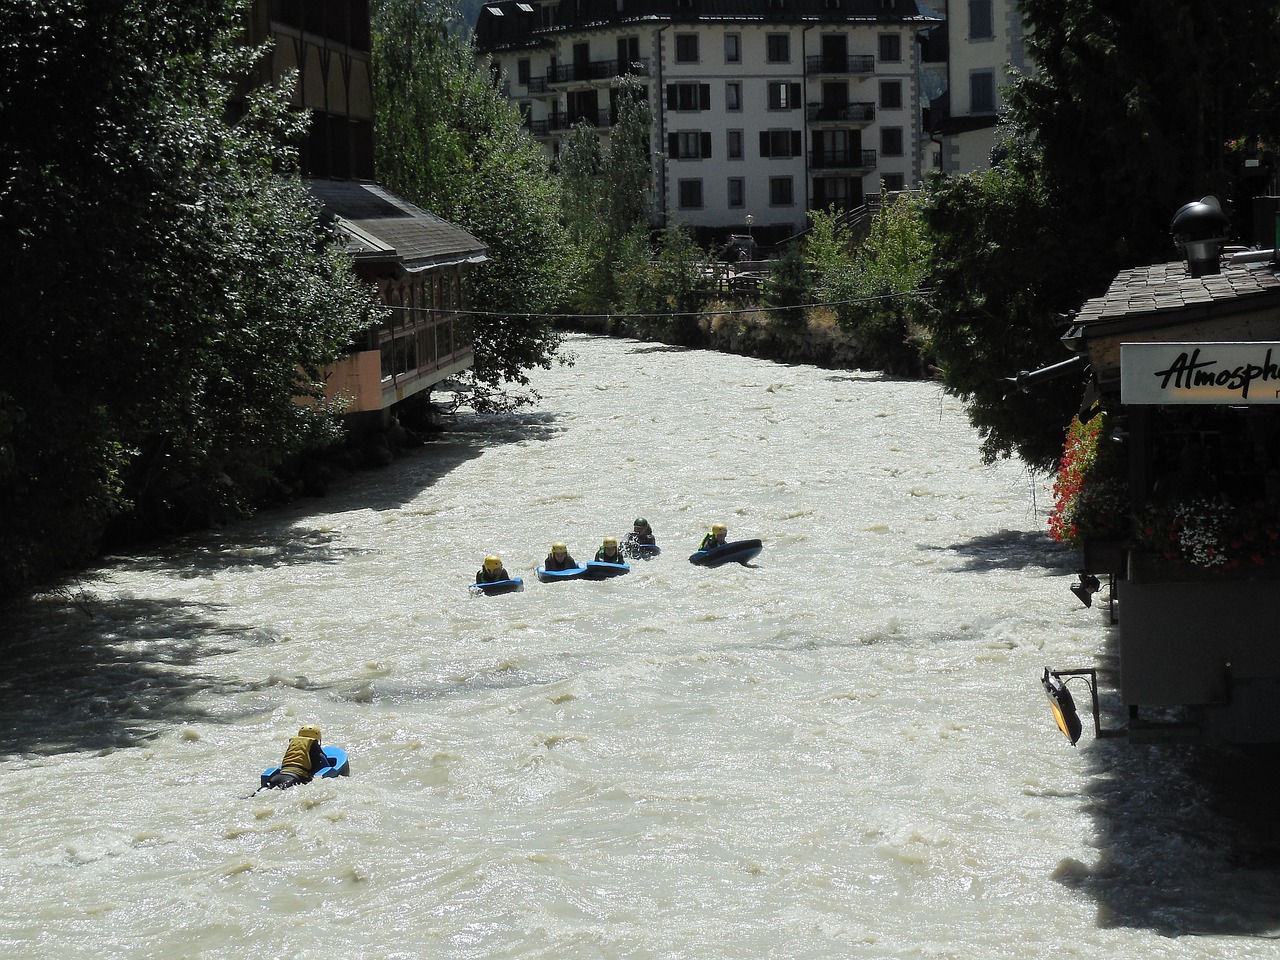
x=862 y=65
x=596 y=73
x=538 y=87
x=858 y=162
x=841 y=114
x=560 y=121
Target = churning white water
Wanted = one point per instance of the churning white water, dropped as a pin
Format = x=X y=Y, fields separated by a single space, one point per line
x=841 y=750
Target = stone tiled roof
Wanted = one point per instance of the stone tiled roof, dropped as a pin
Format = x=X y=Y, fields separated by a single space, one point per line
x=382 y=227
x=1160 y=291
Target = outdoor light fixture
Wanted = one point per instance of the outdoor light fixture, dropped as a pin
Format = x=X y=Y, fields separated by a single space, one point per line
x=1085 y=588
x=1063 y=706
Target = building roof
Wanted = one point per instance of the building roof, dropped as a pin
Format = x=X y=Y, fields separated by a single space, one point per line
x=1167 y=293
x=383 y=228
x=515 y=23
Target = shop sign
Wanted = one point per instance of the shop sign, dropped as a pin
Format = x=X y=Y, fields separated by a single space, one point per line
x=1168 y=373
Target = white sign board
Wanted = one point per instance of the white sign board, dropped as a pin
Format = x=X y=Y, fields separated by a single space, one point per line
x=1168 y=373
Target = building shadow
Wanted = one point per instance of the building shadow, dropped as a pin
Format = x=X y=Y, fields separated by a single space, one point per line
x=1186 y=835
x=1012 y=550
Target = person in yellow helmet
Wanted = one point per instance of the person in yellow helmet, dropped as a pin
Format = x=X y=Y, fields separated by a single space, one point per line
x=608 y=551
x=716 y=537
x=303 y=758
x=559 y=558
x=492 y=571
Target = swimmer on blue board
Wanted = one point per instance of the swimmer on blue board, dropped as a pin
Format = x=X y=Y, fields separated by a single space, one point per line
x=492 y=571
x=715 y=537
x=559 y=558
x=608 y=551
x=302 y=759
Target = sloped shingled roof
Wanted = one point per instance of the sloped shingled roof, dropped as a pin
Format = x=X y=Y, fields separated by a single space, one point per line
x=382 y=227
x=1156 y=293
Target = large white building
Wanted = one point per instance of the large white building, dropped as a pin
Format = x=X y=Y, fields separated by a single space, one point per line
x=763 y=109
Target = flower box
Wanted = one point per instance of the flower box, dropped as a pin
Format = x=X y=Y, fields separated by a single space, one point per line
x=1147 y=567
x=1103 y=556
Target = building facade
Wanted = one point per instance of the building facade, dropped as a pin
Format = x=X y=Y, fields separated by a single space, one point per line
x=984 y=41
x=763 y=109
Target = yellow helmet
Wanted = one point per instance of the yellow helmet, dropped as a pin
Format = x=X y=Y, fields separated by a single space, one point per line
x=610 y=541
x=719 y=528
x=492 y=563
x=559 y=547
x=310 y=730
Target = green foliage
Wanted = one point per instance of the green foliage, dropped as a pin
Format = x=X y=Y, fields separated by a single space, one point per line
x=877 y=292
x=830 y=251
x=667 y=294
x=450 y=142
x=789 y=287
x=166 y=285
x=606 y=194
x=1000 y=275
x=1123 y=121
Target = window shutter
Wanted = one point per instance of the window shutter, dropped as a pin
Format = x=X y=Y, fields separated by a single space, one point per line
x=797 y=143
x=704 y=96
x=673 y=145
x=764 y=143
x=706 y=146
x=671 y=96
x=795 y=96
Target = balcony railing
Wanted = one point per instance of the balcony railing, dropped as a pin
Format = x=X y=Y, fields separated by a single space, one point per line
x=559 y=122
x=859 y=65
x=596 y=71
x=848 y=113
x=842 y=159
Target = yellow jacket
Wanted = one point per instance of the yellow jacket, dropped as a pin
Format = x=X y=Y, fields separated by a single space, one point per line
x=303 y=757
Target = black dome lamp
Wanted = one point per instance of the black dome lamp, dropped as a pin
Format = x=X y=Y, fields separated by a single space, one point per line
x=1200 y=229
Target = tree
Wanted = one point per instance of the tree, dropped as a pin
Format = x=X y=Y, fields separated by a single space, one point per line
x=167 y=285
x=668 y=293
x=789 y=287
x=877 y=295
x=1123 y=121
x=451 y=143
x=606 y=196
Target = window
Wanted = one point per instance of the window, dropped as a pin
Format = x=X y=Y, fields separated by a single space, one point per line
x=689 y=194
x=982 y=92
x=737 y=192
x=628 y=54
x=777 y=48
x=522 y=71
x=781 y=143
x=890 y=94
x=780 y=192
x=688 y=96
x=733 y=148
x=733 y=48
x=784 y=95
x=980 y=23
x=891 y=141
x=733 y=95
x=890 y=48
x=892 y=182
x=686 y=48
x=689 y=145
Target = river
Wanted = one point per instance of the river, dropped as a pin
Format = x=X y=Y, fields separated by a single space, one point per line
x=840 y=750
